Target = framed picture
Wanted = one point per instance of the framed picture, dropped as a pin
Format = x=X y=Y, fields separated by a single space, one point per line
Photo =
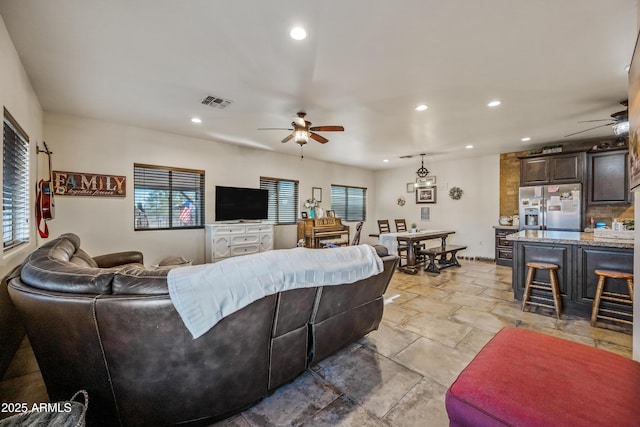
x=425 y=214
x=411 y=187
x=428 y=181
x=304 y=215
x=426 y=195
x=316 y=193
x=331 y=213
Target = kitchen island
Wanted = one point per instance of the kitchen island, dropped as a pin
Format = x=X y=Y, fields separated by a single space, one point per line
x=577 y=255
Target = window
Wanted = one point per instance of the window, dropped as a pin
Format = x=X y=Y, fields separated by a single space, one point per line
x=15 y=184
x=283 y=199
x=167 y=198
x=350 y=203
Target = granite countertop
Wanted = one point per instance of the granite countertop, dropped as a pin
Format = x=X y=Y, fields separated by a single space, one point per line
x=568 y=238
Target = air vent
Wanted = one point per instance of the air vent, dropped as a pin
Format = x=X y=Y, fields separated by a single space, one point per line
x=215 y=102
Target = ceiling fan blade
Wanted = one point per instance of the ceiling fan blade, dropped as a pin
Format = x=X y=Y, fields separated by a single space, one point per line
x=288 y=138
x=320 y=139
x=587 y=130
x=589 y=121
x=327 y=128
x=275 y=129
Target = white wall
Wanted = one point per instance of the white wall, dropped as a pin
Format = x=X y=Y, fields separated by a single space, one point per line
x=472 y=217
x=18 y=97
x=105 y=224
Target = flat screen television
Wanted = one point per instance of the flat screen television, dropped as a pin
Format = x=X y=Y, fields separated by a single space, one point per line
x=237 y=203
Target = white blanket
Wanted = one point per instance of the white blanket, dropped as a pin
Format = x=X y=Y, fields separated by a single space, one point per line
x=204 y=294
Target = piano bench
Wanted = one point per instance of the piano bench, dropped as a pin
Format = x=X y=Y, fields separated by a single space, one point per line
x=333 y=243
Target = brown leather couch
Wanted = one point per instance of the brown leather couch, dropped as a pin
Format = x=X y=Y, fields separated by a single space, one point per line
x=112 y=330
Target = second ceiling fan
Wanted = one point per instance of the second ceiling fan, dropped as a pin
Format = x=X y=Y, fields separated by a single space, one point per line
x=302 y=130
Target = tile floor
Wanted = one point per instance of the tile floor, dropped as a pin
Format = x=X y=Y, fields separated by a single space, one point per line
x=396 y=376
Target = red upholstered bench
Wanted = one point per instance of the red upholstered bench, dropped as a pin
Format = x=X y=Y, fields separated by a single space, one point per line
x=524 y=378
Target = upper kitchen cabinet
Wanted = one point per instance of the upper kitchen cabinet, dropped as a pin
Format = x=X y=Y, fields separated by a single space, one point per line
x=608 y=178
x=552 y=169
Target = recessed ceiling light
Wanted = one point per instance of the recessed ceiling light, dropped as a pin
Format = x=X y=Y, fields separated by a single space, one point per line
x=196 y=120
x=298 y=33
x=494 y=103
x=627 y=68
x=421 y=107
x=385 y=161
x=469 y=147
x=525 y=139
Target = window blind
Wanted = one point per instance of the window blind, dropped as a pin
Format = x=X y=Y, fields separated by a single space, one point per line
x=349 y=203
x=15 y=184
x=167 y=198
x=283 y=199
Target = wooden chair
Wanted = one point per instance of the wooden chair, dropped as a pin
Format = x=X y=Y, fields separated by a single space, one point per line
x=356 y=236
x=401 y=225
x=383 y=226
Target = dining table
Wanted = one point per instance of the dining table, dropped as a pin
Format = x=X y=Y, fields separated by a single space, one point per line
x=411 y=238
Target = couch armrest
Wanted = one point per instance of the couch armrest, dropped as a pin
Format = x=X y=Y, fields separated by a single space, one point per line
x=118 y=258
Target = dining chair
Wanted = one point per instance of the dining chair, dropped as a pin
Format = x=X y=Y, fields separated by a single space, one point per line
x=356 y=237
x=401 y=225
x=383 y=226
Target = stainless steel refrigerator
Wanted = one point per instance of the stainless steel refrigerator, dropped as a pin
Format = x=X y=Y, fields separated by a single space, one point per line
x=551 y=207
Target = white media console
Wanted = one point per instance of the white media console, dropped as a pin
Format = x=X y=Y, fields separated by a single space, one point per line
x=227 y=240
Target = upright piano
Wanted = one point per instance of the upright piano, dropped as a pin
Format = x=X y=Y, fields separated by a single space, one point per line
x=316 y=231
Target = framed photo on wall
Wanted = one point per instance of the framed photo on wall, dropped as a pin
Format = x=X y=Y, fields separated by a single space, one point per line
x=426 y=195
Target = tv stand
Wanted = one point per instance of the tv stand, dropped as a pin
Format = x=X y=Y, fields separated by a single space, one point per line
x=227 y=240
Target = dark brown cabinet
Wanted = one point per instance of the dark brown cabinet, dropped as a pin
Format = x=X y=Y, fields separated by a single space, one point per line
x=608 y=182
x=552 y=169
x=504 y=247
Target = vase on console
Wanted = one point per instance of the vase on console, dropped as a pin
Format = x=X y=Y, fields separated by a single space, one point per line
x=312 y=213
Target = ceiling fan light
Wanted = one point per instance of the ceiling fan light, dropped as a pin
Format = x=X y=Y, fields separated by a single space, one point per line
x=298 y=33
x=621 y=128
x=301 y=137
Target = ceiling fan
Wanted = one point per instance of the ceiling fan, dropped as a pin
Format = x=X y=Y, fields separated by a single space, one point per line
x=302 y=130
x=619 y=121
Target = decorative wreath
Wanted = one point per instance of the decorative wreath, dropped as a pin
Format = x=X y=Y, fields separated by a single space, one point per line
x=455 y=193
x=401 y=201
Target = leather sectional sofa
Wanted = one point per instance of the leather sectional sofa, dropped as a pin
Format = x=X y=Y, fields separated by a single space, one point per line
x=107 y=325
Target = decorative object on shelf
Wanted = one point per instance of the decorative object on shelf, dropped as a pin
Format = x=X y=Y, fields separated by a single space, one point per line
x=426 y=195
x=422 y=172
x=411 y=187
x=455 y=193
x=401 y=201
x=505 y=220
x=552 y=149
x=331 y=213
x=304 y=215
x=311 y=204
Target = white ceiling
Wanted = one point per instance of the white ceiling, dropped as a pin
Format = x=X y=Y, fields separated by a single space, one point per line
x=365 y=65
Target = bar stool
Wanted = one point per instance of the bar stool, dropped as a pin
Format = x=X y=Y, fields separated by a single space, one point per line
x=601 y=294
x=552 y=286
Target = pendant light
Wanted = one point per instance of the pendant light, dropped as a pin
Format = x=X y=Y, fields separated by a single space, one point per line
x=422 y=172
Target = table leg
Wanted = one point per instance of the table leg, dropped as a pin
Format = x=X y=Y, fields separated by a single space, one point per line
x=411 y=259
